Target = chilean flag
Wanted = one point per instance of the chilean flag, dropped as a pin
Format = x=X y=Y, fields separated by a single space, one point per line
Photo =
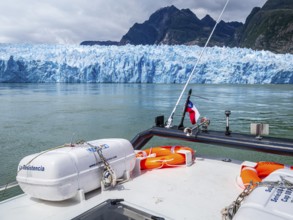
x=193 y=112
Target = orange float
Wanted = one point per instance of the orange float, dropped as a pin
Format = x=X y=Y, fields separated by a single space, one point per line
x=260 y=171
x=163 y=156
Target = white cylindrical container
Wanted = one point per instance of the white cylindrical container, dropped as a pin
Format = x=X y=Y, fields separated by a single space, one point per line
x=270 y=202
x=58 y=174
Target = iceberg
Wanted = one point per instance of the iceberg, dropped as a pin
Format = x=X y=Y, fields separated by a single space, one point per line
x=41 y=63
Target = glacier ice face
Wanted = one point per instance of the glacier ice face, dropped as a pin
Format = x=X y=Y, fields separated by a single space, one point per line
x=141 y=64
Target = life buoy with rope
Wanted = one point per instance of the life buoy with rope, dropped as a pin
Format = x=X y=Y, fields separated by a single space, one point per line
x=163 y=156
x=254 y=175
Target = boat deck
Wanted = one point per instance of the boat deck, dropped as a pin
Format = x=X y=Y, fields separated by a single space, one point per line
x=200 y=191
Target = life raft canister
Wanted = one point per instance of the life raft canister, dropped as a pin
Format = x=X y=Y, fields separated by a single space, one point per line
x=261 y=170
x=163 y=157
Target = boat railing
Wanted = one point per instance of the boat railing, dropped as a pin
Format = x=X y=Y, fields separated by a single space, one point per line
x=281 y=146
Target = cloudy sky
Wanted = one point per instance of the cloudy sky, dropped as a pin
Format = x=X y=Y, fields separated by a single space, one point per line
x=73 y=21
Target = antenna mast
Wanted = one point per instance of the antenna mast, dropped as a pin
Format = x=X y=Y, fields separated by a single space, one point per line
x=170 y=119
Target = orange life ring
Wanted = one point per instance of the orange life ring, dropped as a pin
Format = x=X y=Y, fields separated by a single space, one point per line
x=162 y=157
x=260 y=171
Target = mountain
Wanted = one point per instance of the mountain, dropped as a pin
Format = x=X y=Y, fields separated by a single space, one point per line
x=172 y=26
x=102 y=43
x=166 y=26
x=38 y=63
x=269 y=28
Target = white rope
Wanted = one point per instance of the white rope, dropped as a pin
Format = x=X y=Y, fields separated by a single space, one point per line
x=170 y=120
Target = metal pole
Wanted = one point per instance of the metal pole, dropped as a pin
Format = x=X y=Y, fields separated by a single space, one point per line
x=227 y=113
x=184 y=110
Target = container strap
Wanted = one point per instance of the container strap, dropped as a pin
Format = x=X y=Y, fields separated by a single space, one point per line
x=109 y=177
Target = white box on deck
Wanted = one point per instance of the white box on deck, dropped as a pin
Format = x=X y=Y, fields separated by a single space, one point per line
x=58 y=174
x=270 y=203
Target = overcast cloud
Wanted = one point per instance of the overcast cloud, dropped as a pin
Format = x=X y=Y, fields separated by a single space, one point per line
x=73 y=21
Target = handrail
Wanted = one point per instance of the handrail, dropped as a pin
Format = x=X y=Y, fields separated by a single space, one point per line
x=273 y=145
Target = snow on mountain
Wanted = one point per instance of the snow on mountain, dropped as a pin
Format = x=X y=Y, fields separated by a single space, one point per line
x=141 y=64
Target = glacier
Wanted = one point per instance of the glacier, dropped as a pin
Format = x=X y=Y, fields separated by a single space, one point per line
x=41 y=63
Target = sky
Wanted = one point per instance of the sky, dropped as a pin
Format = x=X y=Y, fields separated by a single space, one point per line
x=73 y=21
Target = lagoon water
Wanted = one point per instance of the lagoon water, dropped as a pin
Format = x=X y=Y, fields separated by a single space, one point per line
x=36 y=117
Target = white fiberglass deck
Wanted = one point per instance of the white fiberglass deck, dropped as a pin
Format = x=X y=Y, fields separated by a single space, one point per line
x=200 y=191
